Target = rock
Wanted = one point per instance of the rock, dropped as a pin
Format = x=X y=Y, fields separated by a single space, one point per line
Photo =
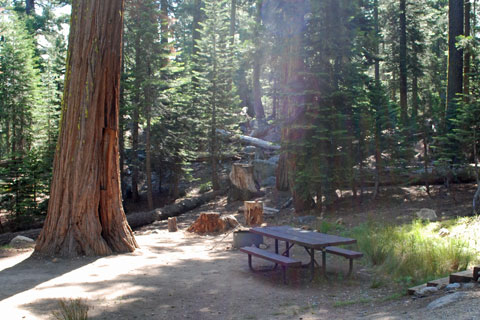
x=453 y=286
x=263 y=246
x=269 y=182
x=426 y=291
x=273 y=135
x=443 y=232
x=440 y=302
x=263 y=169
x=274 y=159
x=339 y=221
x=306 y=219
x=22 y=242
x=426 y=214
x=249 y=149
x=469 y=285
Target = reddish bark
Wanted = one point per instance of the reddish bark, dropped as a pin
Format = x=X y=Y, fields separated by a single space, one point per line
x=85 y=214
x=293 y=104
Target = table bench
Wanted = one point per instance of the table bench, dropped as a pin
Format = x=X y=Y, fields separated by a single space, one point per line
x=349 y=254
x=284 y=261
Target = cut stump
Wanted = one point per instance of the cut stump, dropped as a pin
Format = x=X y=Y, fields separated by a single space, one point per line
x=211 y=222
x=172 y=224
x=244 y=185
x=253 y=213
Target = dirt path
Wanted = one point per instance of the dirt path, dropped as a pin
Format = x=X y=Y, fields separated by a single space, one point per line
x=185 y=276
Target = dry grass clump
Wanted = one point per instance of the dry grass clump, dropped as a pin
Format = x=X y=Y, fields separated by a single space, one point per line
x=73 y=309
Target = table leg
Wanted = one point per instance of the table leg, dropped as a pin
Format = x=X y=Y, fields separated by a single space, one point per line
x=276 y=246
x=312 y=263
x=287 y=249
x=324 y=263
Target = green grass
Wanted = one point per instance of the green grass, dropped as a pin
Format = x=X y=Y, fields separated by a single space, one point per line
x=414 y=253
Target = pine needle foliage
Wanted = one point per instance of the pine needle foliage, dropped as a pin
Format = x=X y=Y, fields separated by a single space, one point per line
x=215 y=99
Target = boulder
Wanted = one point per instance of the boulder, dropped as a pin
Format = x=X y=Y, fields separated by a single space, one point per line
x=249 y=149
x=469 y=285
x=269 y=182
x=426 y=291
x=448 y=299
x=263 y=169
x=22 y=242
x=274 y=159
x=427 y=214
x=453 y=286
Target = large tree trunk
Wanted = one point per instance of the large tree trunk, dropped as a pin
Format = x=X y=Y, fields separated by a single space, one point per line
x=466 y=65
x=233 y=20
x=257 y=66
x=293 y=104
x=135 y=126
x=85 y=213
x=403 y=63
x=455 y=60
x=378 y=129
x=30 y=7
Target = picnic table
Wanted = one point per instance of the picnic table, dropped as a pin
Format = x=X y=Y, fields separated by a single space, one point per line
x=310 y=240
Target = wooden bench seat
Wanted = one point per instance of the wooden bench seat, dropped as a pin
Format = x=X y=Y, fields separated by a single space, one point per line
x=349 y=254
x=284 y=261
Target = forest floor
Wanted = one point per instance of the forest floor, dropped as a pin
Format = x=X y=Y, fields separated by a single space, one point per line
x=187 y=276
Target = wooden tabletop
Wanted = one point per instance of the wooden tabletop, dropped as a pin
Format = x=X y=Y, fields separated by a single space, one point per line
x=302 y=237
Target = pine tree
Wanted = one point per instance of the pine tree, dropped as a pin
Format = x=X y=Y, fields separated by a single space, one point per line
x=20 y=99
x=215 y=94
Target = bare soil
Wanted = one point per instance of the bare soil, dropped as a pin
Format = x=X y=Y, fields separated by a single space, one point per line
x=187 y=276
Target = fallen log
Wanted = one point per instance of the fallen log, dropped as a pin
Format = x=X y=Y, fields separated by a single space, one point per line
x=5 y=238
x=251 y=140
x=137 y=219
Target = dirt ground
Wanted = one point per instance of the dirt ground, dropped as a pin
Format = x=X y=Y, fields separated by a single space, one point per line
x=187 y=276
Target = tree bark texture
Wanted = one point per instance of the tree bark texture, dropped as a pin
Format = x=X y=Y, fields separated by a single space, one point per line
x=172 y=224
x=466 y=64
x=455 y=60
x=137 y=219
x=253 y=213
x=85 y=213
x=293 y=104
x=30 y=7
x=233 y=20
x=257 y=67
x=403 y=63
x=212 y=222
x=244 y=186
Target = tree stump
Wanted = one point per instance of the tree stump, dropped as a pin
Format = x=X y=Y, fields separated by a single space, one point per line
x=253 y=213
x=211 y=222
x=244 y=186
x=172 y=224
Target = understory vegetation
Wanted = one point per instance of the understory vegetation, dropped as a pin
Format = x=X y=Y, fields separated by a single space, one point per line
x=416 y=252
